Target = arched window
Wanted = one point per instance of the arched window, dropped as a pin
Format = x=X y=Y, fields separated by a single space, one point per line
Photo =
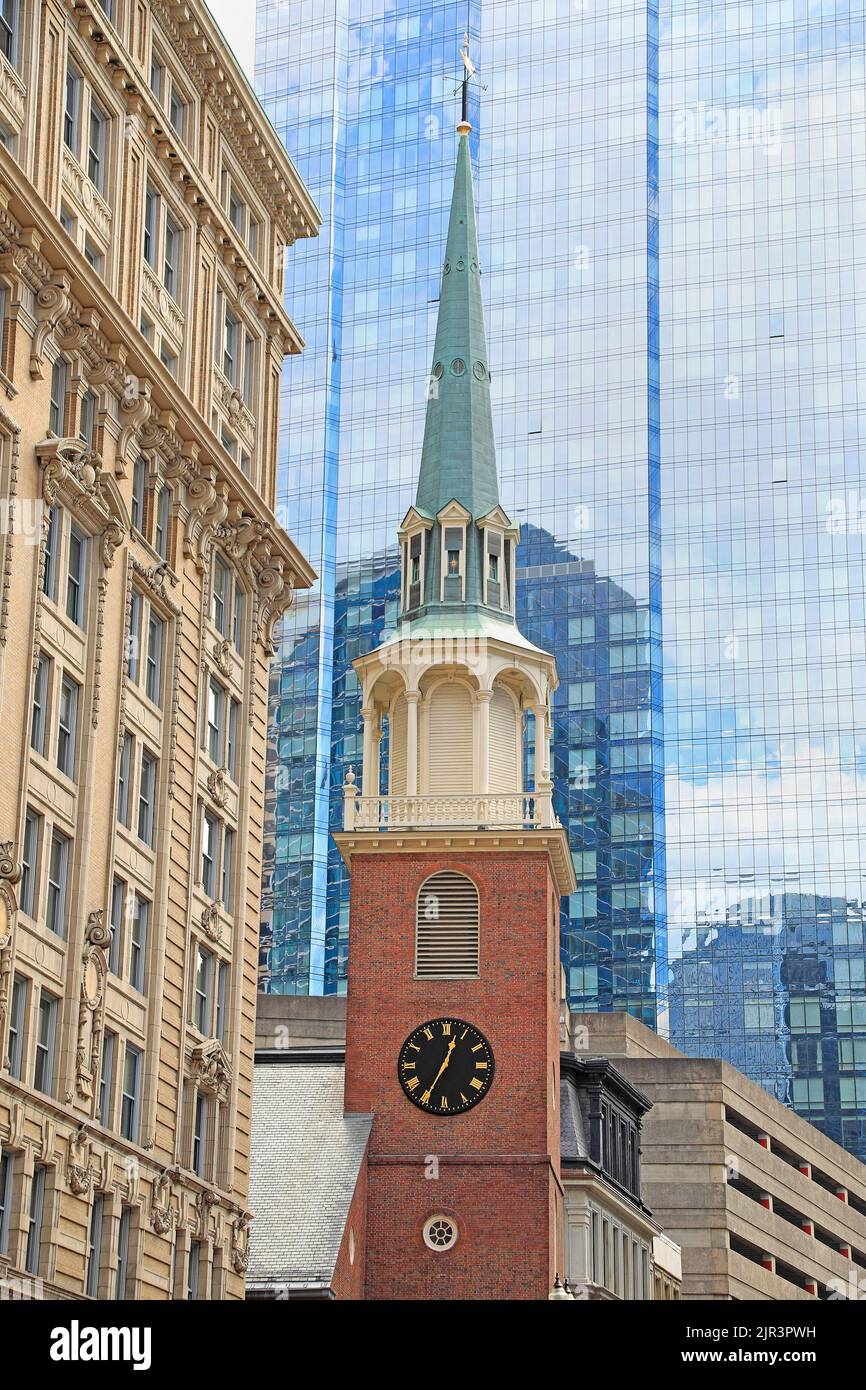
x=447 y=928
x=450 y=759
x=504 y=772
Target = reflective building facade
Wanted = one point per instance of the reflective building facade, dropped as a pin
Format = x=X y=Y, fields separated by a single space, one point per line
x=669 y=208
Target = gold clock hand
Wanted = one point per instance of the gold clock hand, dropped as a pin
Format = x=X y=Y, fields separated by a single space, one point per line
x=451 y=1047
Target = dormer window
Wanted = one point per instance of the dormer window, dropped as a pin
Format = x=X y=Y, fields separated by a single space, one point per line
x=413 y=542
x=453 y=569
x=498 y=539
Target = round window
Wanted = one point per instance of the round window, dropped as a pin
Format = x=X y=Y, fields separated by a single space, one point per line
x=461 y=264
x=447 y=267
x=437 y=370
x=440 y=1232
x=458 y=366
x=480 y=370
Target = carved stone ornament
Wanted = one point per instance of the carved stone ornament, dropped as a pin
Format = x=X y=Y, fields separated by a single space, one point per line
x=51 y=304
x=222 y=656
x=10 y=873
x=240 y=1252
x=208 y=1069
x=210 y=922
x=78 y=1171
x=90 y=1004
x=216 y=785
x=162 y=1213
x=75 y=475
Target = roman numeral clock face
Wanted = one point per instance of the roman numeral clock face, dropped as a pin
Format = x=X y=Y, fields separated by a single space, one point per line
x=446 y=1066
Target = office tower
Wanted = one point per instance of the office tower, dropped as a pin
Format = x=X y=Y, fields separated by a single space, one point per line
x=677 y=428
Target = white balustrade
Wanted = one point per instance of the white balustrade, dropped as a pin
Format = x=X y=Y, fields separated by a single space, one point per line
x=510 y=811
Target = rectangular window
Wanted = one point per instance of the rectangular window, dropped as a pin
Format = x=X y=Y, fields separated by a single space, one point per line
x=176 y=110
x=46 y=1029
x=133 y=661
x=33 y=1253
x=94 y=1245
x=71 y=111
x=52 y=541
x=118 y=909
x=29 y=862
x=171 y=256
x=87 y=419
x=216 y=705
x=236 y=211
x=130 y=1095
x=75 y=577
x=219 y=595
x=39 y=713
x=253 y=238
x=9 y=31
x=230 y=347
x=106 y=1078
x=209 y=841
x=232 y=740
x=168 y=358
x=92 y=255
x=138 y=943
x=199 y=1134
x=7 y=1173
x=151 y=213
x=122 y=1277
x=237 y=615
x=153 y=676
x=96 y=147
x=57 y=407
x=124 y=775
x=228 y=864
x=157 y=74
x=192 y=1270
x=139 y=481
x=146 y=797
x=249 y=370
x=203 y=988
x=221 y=1000
x=58 y=873
x=17 y=1015
x=161 y=528
x=67 y=726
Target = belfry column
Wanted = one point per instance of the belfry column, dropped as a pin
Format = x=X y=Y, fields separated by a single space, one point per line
x=543 y=785
x=369 y=782
x=412 y=698
x=482 y=701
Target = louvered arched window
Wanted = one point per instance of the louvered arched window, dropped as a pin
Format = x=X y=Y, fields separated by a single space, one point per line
x=447 y=928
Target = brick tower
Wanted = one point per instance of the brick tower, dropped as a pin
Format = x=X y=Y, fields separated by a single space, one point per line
x=457 y=870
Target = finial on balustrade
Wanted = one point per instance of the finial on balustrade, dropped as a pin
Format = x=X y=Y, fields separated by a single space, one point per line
x=350 y=793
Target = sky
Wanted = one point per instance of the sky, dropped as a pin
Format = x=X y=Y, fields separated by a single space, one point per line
x=237 y=19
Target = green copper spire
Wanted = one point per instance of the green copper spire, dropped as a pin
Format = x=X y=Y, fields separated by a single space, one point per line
x=458 y=544
x=458 y=459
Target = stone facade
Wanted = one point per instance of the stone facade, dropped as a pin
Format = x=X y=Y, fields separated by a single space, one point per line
x=145 y=208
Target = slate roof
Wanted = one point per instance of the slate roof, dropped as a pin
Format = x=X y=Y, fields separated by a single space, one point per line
x=306 y=1157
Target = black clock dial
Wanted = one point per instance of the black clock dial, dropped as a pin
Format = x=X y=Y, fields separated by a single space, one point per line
x=446 y=1066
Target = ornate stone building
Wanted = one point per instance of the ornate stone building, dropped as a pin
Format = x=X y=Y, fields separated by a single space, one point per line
x=145 y=208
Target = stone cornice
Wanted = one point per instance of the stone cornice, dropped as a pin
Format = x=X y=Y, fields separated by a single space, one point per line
x=210 y=65
x=553 y=843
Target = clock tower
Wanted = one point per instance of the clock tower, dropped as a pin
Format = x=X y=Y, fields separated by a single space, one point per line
x=457 y=866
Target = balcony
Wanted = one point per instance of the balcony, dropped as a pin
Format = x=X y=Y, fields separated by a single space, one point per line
x=518 y=811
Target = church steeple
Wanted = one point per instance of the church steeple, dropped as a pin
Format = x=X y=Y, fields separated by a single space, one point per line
x=458 y=544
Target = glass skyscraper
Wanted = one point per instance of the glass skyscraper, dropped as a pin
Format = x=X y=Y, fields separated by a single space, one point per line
x=670 y=204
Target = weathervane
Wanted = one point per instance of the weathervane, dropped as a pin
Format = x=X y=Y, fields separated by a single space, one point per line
x=469 y=71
